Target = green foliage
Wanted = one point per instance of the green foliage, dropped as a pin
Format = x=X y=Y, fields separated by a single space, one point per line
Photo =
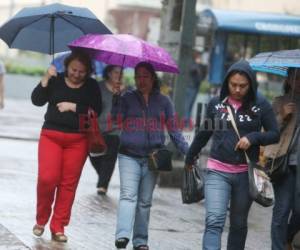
x=13 y=68
x=205 y=87
x=269 y=94
x=129 y=79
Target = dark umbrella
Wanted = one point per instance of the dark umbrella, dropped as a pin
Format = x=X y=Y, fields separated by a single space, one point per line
x=48 y=29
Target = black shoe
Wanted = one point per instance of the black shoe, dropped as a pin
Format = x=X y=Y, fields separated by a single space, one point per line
x=141 y=247
x=121 y=242
x=102 y=191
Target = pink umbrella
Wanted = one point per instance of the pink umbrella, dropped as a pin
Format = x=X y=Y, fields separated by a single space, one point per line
x=125 y=50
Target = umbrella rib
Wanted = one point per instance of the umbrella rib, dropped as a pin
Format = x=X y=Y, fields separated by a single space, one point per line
x=16 y=33
x=45 y=15
x=62 y=17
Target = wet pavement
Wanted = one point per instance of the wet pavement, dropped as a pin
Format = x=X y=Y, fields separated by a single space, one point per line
x=173 y=226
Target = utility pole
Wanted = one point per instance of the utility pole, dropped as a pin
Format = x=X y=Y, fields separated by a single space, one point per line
x=187 y=41
x=178 y=21
x=178 y=18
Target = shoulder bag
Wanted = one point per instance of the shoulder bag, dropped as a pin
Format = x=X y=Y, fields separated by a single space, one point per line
x=260 y=187
x=278 y=167
x=160 y=160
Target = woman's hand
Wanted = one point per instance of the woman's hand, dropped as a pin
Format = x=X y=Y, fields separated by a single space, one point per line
x=243 y=144
x=288 y=109
x=66 y=106
x=50 y=72
x=116 y=89
x=191 y=166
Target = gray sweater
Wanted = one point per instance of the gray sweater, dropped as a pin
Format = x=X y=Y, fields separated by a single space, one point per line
x=105 y=122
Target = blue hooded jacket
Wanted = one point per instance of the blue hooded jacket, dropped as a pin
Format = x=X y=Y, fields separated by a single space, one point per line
x=143 y=125
x=254 y=115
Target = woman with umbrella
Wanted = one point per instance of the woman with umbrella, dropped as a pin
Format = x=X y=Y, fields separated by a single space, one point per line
x=145 y=112
x=287 y=188
x=63 y=147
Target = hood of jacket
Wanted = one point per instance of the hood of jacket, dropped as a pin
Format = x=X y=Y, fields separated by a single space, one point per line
x=240 y=66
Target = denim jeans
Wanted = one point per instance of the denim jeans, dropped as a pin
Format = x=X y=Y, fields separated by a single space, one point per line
x=137 y=183
x=284 y=196
x=220 y=189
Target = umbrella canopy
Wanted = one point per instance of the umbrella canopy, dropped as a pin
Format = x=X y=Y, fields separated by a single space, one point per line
x=48 y=29
x=125 y=51
x=276 y=62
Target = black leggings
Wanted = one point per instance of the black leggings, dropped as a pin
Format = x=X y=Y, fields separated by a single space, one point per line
x=105 y=164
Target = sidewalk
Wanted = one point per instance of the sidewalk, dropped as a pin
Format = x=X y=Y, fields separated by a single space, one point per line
x=20 y=119
x=173 y=226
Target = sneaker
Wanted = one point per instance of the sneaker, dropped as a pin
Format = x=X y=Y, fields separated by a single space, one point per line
x=102 y=191
x=141 y=247
x=121 y=243
x=38 y=230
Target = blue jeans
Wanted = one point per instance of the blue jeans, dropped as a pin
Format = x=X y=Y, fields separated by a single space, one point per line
x=284 y=198
x=137 y=183
x=220 y=189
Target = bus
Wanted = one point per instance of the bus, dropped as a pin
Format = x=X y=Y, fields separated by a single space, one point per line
x=228 y=36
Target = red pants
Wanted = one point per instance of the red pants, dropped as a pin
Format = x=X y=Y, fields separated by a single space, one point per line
x=61 y=158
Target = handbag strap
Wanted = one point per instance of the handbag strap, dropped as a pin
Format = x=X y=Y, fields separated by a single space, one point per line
x=232 y=120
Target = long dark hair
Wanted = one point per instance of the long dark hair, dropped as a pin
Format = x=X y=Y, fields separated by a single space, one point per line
x=150 y=69
x=81 y=57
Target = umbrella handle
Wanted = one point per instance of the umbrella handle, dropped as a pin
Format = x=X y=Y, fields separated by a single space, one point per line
x=293 y=84
x=52 y=36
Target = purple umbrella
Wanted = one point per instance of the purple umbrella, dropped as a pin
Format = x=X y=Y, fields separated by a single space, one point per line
x=125 y=50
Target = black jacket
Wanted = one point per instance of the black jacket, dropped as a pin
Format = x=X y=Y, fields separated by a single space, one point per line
x=254 y=114
x=88 y=95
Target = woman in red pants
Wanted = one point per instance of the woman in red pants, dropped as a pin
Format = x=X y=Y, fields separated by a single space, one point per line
x=63 y=146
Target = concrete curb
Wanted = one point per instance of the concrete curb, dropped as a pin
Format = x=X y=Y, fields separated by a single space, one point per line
x=9 y=137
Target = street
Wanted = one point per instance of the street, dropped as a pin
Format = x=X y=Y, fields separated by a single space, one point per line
x=173 y=226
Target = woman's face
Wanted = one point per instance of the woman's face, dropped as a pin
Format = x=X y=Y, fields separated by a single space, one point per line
x=144 y=80
x=115 y=75
x=238 y=86
x=76 y=72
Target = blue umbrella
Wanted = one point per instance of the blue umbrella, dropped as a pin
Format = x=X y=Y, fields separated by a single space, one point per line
x=48 y=29
x=276 y=62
